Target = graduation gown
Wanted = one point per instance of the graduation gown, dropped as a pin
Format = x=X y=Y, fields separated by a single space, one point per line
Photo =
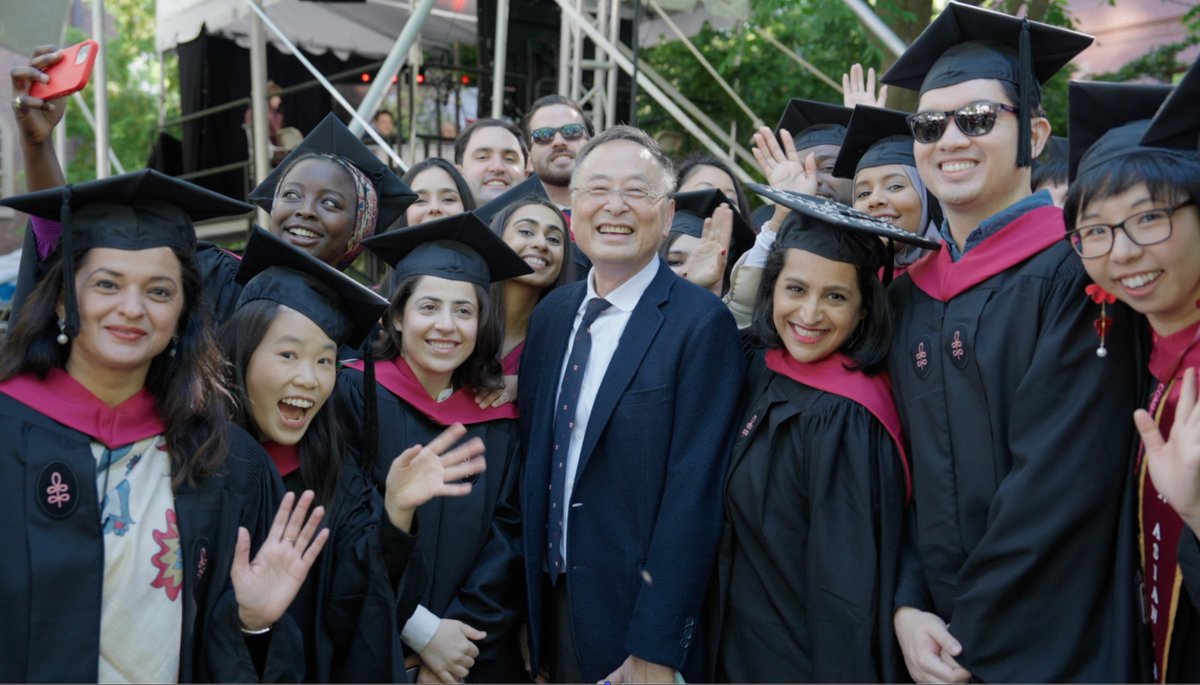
x=1021 y=444
x=1169 y=552
x=353 y=603
x=469 y=546
x=814 y=503
x=52 y=568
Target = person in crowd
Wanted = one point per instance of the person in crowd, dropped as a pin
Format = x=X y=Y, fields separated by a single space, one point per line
x=384 y=123
x=627 y=435
x=706 y=172
x=556 y=128
x=129 y=557
x=440 y=348
x=492 y=156
x=816 y=492
x=878 y=155
x=283 y=138
x=1131 y=216
x=1050 y=170
x=294 y=313
x=706 y=259
x=333 y=192
x=531 y=224
x=999 y=386
x=441 y=191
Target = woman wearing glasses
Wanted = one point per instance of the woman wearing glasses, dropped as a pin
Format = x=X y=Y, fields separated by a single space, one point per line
x=1131 y=215
x=1019 y=434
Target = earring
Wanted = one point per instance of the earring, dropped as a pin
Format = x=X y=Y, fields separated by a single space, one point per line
x=174 y=344
x=62 y=338
x=1103 y=298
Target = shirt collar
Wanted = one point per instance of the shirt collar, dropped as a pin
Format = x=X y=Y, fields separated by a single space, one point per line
x=994 y=223
x=626 y=296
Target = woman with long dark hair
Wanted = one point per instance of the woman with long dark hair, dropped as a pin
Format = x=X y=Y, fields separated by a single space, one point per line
x=130 y=547
x=439 y=349
x=816 y=493
x=294 y=313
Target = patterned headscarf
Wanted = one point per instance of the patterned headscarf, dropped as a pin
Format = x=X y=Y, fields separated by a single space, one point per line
x=366 y=207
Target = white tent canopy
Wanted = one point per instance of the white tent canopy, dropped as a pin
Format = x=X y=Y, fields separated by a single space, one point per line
x=368 y=29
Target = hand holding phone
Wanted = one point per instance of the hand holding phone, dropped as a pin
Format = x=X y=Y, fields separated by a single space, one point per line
x=70 y=74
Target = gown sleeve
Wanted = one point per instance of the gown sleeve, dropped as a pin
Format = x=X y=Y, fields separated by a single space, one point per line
x=855 y=496
x=1054 y=507
x=1189 y=565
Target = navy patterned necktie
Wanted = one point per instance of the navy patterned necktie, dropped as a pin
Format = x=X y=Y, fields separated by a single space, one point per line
x=564 y=425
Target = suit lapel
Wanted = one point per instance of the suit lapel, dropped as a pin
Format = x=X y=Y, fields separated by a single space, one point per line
x=635 y=342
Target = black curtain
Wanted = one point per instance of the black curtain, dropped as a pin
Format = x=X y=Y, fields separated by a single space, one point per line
x=213 y=71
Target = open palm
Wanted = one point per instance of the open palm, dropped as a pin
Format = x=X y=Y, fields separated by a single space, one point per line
x=1174 y=463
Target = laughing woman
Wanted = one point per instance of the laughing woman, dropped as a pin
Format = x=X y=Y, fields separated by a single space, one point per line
x=127 y=554
x=1131 y=214
x=293 y=315
x=816 y=490
x=440 y=347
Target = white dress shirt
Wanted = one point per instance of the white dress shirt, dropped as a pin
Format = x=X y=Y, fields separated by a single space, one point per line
x=606 y=334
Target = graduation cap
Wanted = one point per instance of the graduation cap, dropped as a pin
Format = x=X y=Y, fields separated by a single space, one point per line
x=813 y=123
x=966 y=43
x=458 y=248
x=333 y=138
x=839 y=233
x=136 y=211
x=1107 y=120
x=530 y=186
x=274 y=270
x=875 y=137
x=694 y=206
x=1177 y=125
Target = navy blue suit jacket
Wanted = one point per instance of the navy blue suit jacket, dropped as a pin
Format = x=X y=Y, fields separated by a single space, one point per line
x=646 y=508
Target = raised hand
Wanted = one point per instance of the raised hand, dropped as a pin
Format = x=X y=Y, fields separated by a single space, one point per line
x=423 y=472
x=1174 y=463
x=36 y=117
x=706 y=263
x=781 y=164
x=266 y=586
x=450 y=655
x=856 y=92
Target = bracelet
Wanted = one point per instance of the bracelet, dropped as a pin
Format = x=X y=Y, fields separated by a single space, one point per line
x=260 y=631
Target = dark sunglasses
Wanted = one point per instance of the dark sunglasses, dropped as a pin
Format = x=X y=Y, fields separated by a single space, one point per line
x=543 y=136
x=975 y=119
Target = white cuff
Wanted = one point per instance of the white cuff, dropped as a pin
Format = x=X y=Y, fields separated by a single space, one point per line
x=756 y=256
x=419 y=629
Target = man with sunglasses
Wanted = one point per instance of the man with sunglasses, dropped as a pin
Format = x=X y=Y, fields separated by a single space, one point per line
x=1019 y=434
x=556 y=129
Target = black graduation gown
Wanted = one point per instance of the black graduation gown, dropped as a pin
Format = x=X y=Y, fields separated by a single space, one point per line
x=52 y=568
x=815 y=501
x=1183 y=665
x=351 y=607
x=469 y=546
x=1022 y=448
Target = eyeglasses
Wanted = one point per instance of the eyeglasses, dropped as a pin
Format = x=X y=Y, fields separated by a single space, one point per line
x=631 y=196
x=975 y=119
x=544 y=136
x=1144 y=228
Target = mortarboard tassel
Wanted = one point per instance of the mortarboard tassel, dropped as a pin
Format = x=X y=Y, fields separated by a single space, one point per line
x=1025 y=86
x=68 y=261
x=889 y=271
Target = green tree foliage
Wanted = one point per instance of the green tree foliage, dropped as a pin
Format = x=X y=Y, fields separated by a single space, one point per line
x=133 y=86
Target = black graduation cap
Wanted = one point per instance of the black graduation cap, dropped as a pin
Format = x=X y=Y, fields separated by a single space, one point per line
x=274 y=270
x=136 y=211
x=458 y=248
x=694 y=206
x=1108 y=119
x=332 y=137
x=813 y=123
x=530 y=186
x=966 y=43
x=875 y=137
x=840 y=215
x=1177 y=124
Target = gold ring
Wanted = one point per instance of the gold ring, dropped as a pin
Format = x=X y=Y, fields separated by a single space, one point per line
x=291 y=540
x=18 y=102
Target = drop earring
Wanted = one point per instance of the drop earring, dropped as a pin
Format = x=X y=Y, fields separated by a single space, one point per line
x=174 y=345
x=1103 y=298
x=62 y=338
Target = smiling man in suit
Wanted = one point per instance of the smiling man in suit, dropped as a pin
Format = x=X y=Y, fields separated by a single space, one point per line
x=629 y=385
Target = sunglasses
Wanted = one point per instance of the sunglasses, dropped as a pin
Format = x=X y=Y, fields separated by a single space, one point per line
x=543 y=136
x=975 y=119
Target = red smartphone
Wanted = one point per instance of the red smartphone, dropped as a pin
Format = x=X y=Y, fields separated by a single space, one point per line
x=70 y=74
